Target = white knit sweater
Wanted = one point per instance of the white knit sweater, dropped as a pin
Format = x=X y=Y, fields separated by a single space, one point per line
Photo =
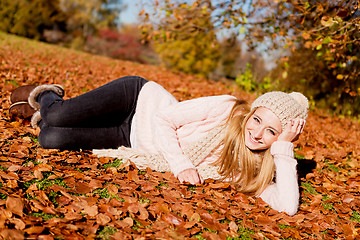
x=163 y=128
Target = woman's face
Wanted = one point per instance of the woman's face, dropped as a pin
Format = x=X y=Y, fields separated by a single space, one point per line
x=262 y=129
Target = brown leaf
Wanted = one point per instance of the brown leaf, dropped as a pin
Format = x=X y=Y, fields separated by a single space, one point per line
x=34 y=230
x=173 y=218
x=190 y=224
x=121 y=235
x=45 y=237
x=10 y=176
x=11 y=234
x=14 y=168
x=82 y=187
x=233 y=226
x=93 y=184
x=42 y=167
x=219 y=185
x=348 y=229
x=12 y=184
x=71 y=216
x=133 y=175
x=15 y=205
x=19 y=224
x=195 y=217
x=92 y=211
x=102 y=219
x=126 y=222
x=113 y=190
x=143 y=213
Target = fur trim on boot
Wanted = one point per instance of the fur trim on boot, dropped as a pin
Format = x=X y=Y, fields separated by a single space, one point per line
x=59 y=90
x=35 y=119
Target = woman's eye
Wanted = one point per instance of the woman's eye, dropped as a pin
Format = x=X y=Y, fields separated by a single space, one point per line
x=272 y=132
x=256 y=119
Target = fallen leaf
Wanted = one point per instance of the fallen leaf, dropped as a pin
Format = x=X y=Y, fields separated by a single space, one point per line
x=102 y=219
x=12 y=234
x=233 y=226
x=15 y=205
x=19 y=224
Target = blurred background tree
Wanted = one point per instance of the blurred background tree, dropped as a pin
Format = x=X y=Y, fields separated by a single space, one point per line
x=185 y=38
x=89 y=25
x=30 y=18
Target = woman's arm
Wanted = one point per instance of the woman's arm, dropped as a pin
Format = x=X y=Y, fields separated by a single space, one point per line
x=193 y=113
x=283 y=195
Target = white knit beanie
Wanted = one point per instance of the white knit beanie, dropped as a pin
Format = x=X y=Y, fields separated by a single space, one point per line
x=286 y=106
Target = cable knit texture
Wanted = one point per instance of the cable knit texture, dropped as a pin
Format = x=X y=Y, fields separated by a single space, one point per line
x=167 y=135
x=285 y=106
x=196 y=152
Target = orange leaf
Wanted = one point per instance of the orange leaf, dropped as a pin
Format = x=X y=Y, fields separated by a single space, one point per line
x=15 y=205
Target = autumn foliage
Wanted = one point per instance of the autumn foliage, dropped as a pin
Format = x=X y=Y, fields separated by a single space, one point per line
x=316 y=42
x=53 y=194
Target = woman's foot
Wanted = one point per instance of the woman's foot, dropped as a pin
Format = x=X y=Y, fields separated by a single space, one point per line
x=24 y=101
x=20 y=107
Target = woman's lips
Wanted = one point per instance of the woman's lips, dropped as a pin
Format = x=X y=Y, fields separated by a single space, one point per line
x=253 y=140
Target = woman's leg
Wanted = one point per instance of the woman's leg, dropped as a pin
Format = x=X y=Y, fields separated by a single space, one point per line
x=107 y=106
x=83 y=138
x=98 y=119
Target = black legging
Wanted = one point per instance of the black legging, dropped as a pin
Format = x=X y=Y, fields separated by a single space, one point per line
x=100 y=118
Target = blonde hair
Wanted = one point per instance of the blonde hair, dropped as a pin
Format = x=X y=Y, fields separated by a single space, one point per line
x=250 y=171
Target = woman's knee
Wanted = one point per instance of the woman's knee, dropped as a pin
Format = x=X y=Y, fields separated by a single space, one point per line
x=51 y=138
x=51 y=117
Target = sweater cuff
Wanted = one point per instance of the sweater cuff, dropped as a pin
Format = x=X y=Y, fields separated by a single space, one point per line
x=180 y=166
x=282 y=148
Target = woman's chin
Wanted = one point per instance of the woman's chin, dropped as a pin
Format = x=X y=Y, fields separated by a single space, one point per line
x=253 y=147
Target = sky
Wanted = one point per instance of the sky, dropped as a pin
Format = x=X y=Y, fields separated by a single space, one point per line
x=130 y=15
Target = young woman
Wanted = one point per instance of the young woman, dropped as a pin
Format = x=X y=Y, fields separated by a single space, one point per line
x=217 y=137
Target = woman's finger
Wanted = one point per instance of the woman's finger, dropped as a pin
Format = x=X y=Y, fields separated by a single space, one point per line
x=189 y=175
x=301 y=125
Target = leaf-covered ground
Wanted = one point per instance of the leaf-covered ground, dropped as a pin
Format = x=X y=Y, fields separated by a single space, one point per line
x=53 y=194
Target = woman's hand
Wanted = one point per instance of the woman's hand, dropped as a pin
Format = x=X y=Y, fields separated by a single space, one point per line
x=190 y=175
x=292 y=130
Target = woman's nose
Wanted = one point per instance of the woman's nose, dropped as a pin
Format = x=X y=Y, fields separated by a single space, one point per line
x=258 y=133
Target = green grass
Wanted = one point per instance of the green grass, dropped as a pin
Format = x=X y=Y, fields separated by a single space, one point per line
x=308 y=188
x=162 y=184
x=355 y=216
x=33 y=138
x=44 y=216
x=144 y=200
x=332 y=166
x=282 y=226
x=116 y=163
x=298 y=156
x=3 y=168
x=328 y=206
x=3 y=196
x=43 y=184
x=104 y=193
x=106 y=233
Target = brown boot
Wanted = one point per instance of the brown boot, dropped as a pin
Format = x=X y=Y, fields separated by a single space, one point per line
x=20 y=107
x=25 y=104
